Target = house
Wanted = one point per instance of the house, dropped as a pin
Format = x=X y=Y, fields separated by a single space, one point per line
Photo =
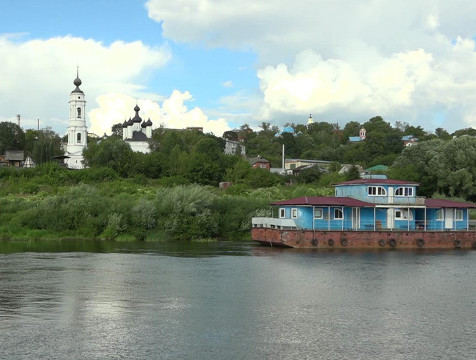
x=409 y=140
x=14 y=158
x=259 y=162
x=297 y=171
x=347 y=167
x=290 y=165
x=375 y=204
x=234 y=148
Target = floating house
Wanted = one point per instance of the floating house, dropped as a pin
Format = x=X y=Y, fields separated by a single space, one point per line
x=388 y=208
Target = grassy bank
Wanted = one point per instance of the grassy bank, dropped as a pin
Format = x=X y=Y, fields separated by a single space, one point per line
x=53 y=203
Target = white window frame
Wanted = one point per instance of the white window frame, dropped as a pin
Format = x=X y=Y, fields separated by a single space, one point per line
x=316 y=211
x=407 y=191
x=440 y=215
x=341 y=216
x=459 y=215
x=282 y=213
x=404 y=214
x=294 y=213
x=376 y=191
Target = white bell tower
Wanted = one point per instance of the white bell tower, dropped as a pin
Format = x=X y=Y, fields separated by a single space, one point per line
x=77 y=130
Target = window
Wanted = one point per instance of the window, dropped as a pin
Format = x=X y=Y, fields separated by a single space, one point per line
x=78 y=137
x=404 y=191
x=439 y=215
x=317 y=213
x=294 y=213
x=338 y=215
x=79 y=112
x=292 y=166
x=377 y=191
x=459 y=215
x=403 y=215
x=282 y=213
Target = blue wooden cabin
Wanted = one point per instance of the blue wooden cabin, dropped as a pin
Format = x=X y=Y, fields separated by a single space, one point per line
x=374 y=204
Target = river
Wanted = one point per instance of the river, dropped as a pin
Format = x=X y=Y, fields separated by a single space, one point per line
x=233 y=300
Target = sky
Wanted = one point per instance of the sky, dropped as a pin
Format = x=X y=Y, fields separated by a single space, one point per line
x=220 y=64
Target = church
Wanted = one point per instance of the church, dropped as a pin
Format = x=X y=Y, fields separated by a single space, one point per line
x=77 y=130
x=135 y=132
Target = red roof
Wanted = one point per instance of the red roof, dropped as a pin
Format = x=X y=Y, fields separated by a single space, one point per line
x=377 y=181
x=440 y=203
x=324 y=201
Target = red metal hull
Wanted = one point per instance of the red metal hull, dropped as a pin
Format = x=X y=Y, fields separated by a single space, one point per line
x=365 y=239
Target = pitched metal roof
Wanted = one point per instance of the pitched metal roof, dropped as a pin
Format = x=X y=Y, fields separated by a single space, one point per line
x=324 y=201
x=14 y=155
x=377 y=182
x=138 y=136
x=441 y=203
x=255 y=160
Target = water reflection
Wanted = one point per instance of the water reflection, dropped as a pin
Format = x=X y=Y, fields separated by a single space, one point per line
x=233 y=300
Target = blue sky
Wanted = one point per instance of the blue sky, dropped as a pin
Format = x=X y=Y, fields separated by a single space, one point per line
x=219 y=63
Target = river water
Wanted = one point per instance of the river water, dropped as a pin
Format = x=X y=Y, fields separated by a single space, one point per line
x=231 y=300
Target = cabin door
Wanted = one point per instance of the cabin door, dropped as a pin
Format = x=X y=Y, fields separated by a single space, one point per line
x=355 y=218
x=448 y=218
x=390 y=218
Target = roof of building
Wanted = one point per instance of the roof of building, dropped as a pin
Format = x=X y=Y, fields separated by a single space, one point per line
x=409 y=137
x=442 y=203
x=324 y=201
x=137 y=118
x=254 y=160
x=308 y=161
x=138 y=136
x=14 y=155
x=77 y=82
x=376 y=182
x=377 y=168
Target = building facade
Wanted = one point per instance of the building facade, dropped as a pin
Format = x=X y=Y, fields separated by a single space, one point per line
x=77 y=132
x=375 y=205
x=137 y=132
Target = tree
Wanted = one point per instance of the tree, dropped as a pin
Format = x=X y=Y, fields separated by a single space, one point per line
x=112 y=152
x=117 y=130
x=46 y=145
x=12 y=137
x=352 y=174
x=310 y=175
x=442 y=134
x=352 y=128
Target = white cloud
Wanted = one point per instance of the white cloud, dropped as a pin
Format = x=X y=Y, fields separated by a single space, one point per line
x=172 y=113
x=228 y=84
x=407 y=61
x=37 y=75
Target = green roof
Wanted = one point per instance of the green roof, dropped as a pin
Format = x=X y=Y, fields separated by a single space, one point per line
x=377 y=168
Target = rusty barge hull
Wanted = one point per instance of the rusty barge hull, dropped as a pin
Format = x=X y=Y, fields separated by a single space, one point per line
x=365 y=239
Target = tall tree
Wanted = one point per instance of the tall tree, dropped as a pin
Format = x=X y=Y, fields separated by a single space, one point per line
x=12 y=137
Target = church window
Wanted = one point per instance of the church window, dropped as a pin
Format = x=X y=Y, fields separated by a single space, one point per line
x=78 y=137
x=79 y=112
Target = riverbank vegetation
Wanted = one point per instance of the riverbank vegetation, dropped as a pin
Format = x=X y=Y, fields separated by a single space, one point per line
x=173 y=193
x=52 y=202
